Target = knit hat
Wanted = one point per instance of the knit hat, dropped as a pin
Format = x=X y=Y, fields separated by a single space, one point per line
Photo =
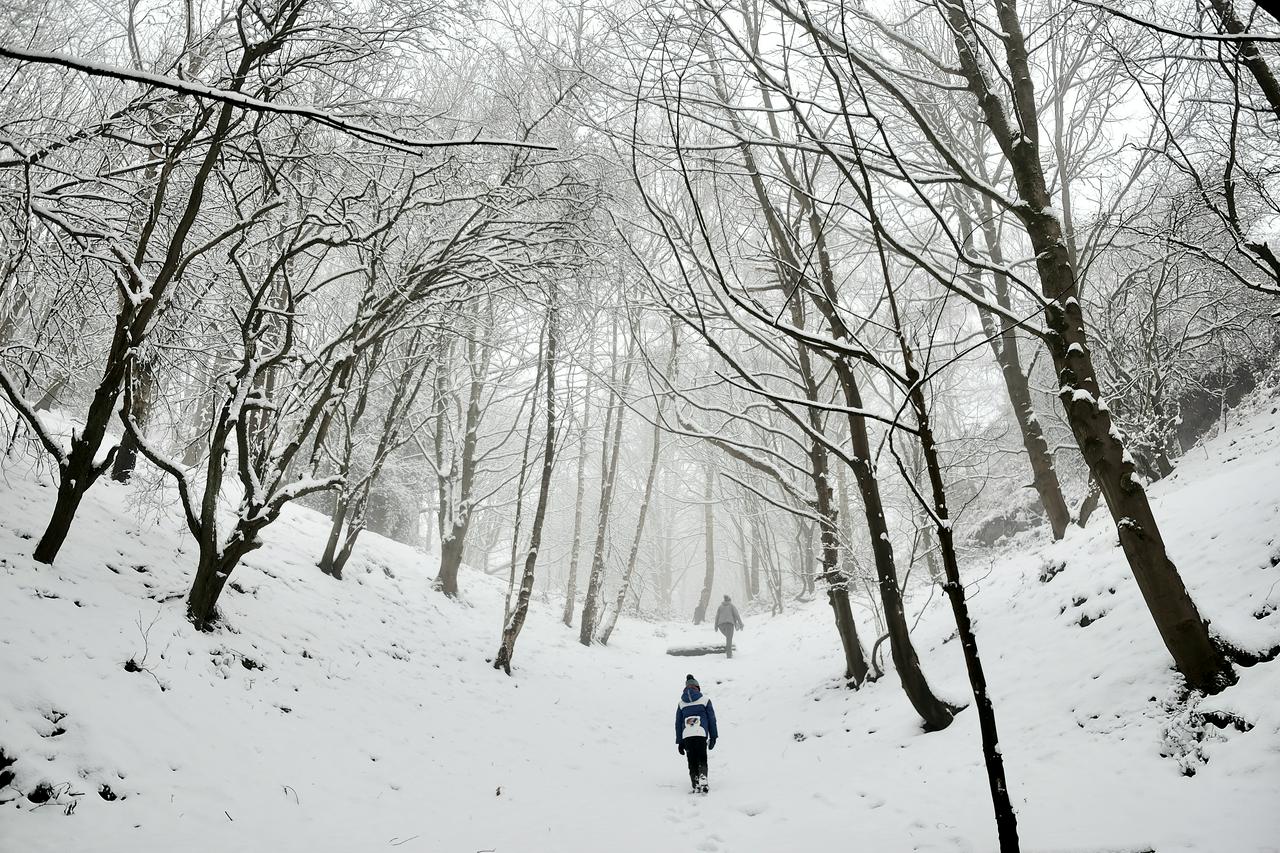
x=690 y=681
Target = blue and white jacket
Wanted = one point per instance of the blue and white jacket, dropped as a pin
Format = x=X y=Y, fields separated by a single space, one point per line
x=694 y=716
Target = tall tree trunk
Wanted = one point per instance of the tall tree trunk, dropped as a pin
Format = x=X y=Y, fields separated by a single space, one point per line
x=837 y=581
x=142 y=374
x=609 y=473
x=520 y=483
x=1004 y=346
x=514 y=624
x=50 y=396
x=198 y=442
x=753 y=573
x=634 y=554
x=1006 y=820
x=935 y=713
x=451 y=548
x=805 y=545
x=202 y=600
x=1186 y=635
x=78 y=471
x=440 y=399
x=851 y=567
x=664 y=543
x=655 y=458
x=708 y=545
x=453 y=542
x=341 y=505
x=571 y=587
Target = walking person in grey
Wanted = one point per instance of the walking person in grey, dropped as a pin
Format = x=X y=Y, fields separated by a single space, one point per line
x=727 y=619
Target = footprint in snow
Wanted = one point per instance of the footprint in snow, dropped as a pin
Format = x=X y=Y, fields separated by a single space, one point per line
x=873 y=802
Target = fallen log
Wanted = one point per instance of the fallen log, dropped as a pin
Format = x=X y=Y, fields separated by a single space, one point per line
x=694 y=651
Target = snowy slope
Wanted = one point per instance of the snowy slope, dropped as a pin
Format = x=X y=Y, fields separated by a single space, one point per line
x=362 y=715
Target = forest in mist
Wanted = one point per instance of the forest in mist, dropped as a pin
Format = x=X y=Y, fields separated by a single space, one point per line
x=638 y=304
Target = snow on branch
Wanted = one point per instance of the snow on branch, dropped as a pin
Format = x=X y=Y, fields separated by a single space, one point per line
x=735 y=450
x=1190 y=35
x=32 y=418
x=411 y=144
x=796 y=511
x=299 y=488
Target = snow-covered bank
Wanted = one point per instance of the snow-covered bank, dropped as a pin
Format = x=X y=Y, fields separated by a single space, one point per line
x=362 y=715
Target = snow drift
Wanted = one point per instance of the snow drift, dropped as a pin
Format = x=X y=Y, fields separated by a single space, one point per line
x=364 y=714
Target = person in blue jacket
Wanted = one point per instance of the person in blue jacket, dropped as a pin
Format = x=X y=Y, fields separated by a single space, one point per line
x=695 y=732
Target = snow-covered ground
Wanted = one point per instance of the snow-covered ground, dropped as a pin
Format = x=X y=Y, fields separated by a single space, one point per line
x=362 y=715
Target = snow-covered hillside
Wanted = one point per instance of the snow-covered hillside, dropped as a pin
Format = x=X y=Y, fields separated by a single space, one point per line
x=362 y=715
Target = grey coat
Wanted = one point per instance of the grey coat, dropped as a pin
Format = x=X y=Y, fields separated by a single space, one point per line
x=728 y=615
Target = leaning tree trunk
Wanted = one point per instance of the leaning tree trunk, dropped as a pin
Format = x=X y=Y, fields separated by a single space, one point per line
x=851 y=568
x=935 y=713
x=708 y=546
x=1089 y=503
x=1198 y=657
x=1247 y=50
x=80 y=469
x=633 y=557
x=836 y=580
x=353 y=516
x=50 y=397
x=511 y=630
x=647 y=498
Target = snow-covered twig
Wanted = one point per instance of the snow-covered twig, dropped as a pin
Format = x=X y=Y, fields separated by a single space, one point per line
x=364 y=132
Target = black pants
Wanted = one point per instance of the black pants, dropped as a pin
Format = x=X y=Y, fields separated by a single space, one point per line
x=727 y=630
x=695 y=752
